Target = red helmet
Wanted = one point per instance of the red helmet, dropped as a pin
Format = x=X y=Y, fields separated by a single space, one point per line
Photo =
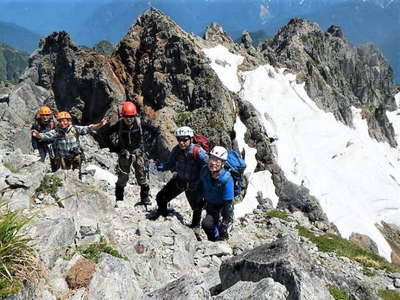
x=129 y=109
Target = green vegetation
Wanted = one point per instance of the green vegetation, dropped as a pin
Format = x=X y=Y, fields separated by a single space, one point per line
x=342 y=247
x=11 y=167
x=49 y=185
x=104 y=47
x=367 y=272
x=389 y=295
x=18 y=260
x=12 y=63
x=338 y=294
x=280 y=214
x=94 y=250
x=182 y=119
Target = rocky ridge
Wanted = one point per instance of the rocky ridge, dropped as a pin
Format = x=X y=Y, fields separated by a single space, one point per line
x=165 y=70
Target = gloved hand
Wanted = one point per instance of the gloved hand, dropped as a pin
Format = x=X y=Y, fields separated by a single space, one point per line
x=160 y=167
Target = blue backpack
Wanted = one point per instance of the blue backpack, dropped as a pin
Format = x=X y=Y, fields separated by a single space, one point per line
x=235 y=164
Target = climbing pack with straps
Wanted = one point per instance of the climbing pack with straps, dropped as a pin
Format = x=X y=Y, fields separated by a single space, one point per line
x=236 y=165
x=200 y=141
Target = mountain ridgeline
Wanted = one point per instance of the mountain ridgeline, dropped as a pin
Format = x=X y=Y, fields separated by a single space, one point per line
x=270 y=255
x=12 y=63
x=89 y=22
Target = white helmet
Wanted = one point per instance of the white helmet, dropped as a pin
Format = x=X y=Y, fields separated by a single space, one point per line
x=219 y=152
x=184 y=131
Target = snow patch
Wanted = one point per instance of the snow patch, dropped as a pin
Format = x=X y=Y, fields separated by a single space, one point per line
x=225 y=65
x=355 y=178
x=101 y=174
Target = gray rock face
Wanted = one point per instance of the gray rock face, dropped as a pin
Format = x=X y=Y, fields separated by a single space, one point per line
x=392 y=235
x=53 y=242
x=81 y=81
x=284 y=261
x=337 y=75
x=295 y=197
x=18 y=114
x=266 y=288
x=168 y=69
x=183 y=288
x=114 y=279
x=364 y=242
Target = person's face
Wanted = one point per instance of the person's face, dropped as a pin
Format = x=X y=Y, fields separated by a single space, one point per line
x=128 y=120
x=64 y=123
x=183 y=142
x=215 y=164
x=45 y=118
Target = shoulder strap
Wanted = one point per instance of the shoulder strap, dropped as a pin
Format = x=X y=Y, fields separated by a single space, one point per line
x=139 y=124
x=195 y=152
x=76 y=133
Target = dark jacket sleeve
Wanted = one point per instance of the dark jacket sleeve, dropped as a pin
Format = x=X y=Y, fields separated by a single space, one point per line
x=170 y=164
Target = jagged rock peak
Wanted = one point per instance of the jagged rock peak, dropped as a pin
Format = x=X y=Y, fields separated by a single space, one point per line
x=155 y=21
x=246 y=40
x=297 y=27
x=55 y=42
x=336 y=31
x=215 y=33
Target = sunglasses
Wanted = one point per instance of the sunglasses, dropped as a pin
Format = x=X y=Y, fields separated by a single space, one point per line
x=183 y=139
x=129 y=117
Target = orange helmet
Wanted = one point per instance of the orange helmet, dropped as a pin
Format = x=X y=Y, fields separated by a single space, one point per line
x=63 y=115
x=44 y=110
x=129 y=109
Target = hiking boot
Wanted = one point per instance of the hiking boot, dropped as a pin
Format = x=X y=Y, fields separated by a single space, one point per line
x=144 y=195
x=196 y=218
x=157 y=213
x=119 y=193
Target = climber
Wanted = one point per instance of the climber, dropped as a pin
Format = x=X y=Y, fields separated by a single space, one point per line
x=44 y=122
x=131 y=152
x=65 y=137
x=218 y=193
x=186 y=177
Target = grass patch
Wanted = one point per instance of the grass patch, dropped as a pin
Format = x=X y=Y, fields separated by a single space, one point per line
x=11 y=168
x=367 y=272
x=280 y=214
x=17 y=257
x=49 y=185
x=342 y=247
x=182 y=119
x=389 y=295
x=95 y=249
x=338 y=294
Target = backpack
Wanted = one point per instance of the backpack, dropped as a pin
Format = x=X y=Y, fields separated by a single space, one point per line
x=200 y=141
x=235 y=164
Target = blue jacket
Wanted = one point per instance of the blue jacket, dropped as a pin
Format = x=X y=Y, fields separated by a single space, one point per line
x=217 y=191
x=185 y=165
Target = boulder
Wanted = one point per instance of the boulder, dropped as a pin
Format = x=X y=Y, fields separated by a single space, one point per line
x=113 y=279
x=183 y=288
x=364 y=242
x=266 y=288
x=284 y=261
